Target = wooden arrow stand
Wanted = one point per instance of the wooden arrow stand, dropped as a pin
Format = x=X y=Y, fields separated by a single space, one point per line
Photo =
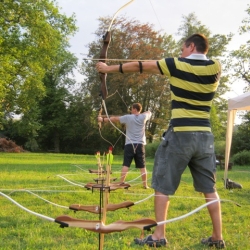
x=104 y=200
x=104 y=186
x=99 y=182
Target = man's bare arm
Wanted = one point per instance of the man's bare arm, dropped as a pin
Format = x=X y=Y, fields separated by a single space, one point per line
x=105 y=119
x=146 y=67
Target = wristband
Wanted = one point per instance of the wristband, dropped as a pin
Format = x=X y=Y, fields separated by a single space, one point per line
x=120 y=68
x=140 y=66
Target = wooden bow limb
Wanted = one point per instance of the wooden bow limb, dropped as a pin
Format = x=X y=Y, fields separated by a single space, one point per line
x=143 y=224
x=96 y=171
x=123 y=60
x=112 y=186
x=67 y=221
x=99 y=227
x=96 y=209
x=97 y=180
x=110 y=207
x=104 y=51
x=103 y=56
x=89 y=208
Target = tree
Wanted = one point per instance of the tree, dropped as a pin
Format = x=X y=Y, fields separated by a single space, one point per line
x=217 y=127
x=241 y=137
x=65 y=121
x=30 y=34
x=54 y=106
x=139 y=41
x=132 y=40
x=239 y=60
x=33 y=38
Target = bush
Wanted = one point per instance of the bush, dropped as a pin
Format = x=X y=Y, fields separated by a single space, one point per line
x=151 y=149
x=32 y=145
x=219 y=147
x=242 y=158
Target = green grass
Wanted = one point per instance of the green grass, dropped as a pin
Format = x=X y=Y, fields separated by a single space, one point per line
x=38 y=173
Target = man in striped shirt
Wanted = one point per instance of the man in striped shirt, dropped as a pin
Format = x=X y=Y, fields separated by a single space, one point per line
x=188 y=141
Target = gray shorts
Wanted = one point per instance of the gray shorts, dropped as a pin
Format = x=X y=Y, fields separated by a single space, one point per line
x=179 y=150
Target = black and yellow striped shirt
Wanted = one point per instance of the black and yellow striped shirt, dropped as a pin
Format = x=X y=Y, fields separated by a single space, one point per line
x=193 y=83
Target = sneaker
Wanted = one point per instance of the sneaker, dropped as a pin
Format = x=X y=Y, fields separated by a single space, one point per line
x=150 y=242
x=217 y=243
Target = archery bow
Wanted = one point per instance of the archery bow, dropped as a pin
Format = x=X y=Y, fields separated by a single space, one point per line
x=62 y=220
x=118 y=226
x=103 y=76
x=104 y=51
x=113 y=186
x=110 y=207
x=99 y=227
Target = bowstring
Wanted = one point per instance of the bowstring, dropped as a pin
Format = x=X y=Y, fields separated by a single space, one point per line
x=121 y=132
x=105 y=109
x=113 y=145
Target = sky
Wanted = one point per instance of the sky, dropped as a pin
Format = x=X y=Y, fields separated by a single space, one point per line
x=220 y=16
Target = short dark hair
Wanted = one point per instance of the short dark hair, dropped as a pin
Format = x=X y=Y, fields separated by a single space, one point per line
x=200 y=42
x=137 y=106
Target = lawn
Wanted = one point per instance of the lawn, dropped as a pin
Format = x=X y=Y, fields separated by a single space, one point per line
x=28 y=177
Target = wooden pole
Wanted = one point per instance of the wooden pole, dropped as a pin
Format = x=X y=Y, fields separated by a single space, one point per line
x=105 y=202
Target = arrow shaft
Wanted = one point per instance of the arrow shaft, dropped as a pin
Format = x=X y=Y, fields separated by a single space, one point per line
x=121 y=60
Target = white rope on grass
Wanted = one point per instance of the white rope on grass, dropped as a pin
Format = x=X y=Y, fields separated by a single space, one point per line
x=27 y=210
x=71 y=182
x=38 y=196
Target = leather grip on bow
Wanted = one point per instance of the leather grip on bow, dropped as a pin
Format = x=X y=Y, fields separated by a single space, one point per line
x=103 y=57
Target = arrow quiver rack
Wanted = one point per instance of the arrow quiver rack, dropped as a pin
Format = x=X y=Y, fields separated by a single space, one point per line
x=104 y=186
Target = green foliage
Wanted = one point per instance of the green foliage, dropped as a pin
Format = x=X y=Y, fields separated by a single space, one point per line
x=242 y=158
x=246 y=23
x=65 y=121
x=216 y=124
x=31 y=32
x=32 y=145
x=219 y=147
x=151 y=149
x=239 y=60
x=38 y=174
x=54 y=111
x=152 y=91
x=241 y=137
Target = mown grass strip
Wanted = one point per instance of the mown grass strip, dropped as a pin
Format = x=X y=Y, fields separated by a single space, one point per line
x=38 y=173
